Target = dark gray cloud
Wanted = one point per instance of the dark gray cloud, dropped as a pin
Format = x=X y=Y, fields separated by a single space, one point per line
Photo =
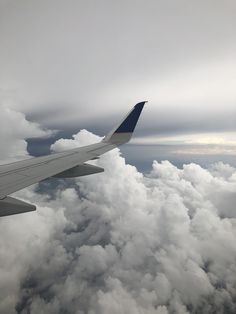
x=142 y=155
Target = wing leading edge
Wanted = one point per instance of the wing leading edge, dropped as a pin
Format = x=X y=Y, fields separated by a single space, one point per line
x=18 y=175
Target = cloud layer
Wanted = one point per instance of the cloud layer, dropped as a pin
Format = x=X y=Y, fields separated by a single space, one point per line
x=123 y=242
x=14 y=129
x=73 y=62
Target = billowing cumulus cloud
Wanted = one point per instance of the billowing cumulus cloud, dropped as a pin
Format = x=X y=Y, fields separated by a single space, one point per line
x=123 y=242
x=14 y=129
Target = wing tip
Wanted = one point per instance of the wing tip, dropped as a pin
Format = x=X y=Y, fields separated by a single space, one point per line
x=129 y=123
x=125 y=129
x=141 y=103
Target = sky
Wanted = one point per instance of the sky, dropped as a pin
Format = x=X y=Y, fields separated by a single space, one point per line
x=70 y=65
x=156 y=232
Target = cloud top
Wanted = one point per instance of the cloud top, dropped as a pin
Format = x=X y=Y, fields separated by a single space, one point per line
x=124 y=242
x=14 y=129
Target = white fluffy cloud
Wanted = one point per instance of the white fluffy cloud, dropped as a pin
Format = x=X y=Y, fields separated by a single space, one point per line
x=14 y=129
x=124 y=242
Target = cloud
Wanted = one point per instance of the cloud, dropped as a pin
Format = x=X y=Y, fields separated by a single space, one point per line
x=14 y=129
x=123 y=242
x=92 y=60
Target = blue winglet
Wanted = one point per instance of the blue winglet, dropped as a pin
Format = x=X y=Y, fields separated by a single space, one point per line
x=129 y=124
x=123 y=132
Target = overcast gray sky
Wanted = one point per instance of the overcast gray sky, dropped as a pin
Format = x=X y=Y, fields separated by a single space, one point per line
x=73 y=64
x=137 y=242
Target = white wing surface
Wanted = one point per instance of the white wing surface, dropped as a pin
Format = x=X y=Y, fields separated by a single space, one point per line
x=71 y=163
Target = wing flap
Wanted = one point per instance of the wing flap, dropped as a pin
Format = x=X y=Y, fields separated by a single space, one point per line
x=79 y=171
x=12 y=206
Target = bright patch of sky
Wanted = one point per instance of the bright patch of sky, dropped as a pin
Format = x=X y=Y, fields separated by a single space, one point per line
x=227 y=138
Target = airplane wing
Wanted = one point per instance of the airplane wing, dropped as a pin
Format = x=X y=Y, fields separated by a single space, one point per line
x=71 y=163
